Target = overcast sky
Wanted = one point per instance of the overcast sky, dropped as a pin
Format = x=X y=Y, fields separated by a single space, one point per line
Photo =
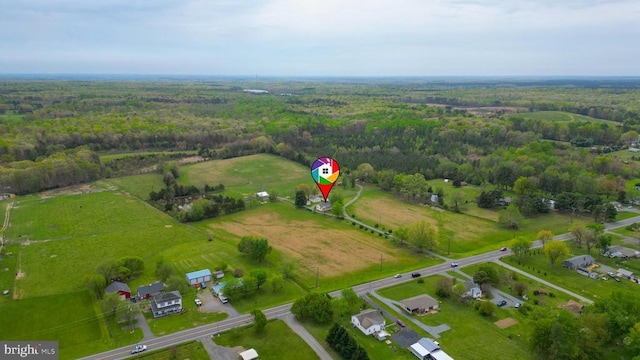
x=321 y=37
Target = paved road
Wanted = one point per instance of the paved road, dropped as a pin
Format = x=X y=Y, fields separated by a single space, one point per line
x=297 y=328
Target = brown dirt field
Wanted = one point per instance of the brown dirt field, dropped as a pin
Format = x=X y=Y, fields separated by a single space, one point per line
x=391 y=212
x=505 y=323
x=334 y=251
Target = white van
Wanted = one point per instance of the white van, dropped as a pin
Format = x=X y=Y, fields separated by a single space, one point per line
x=222 y=298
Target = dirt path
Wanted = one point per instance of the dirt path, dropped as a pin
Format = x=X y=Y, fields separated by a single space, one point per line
x=5 y=225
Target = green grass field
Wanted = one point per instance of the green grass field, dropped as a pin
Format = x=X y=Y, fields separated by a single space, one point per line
x=138 y=185
x=247 y=175
x=472 y=336
x=193 y=350
x=277 y=342
x=71 y=235
x=107 y=157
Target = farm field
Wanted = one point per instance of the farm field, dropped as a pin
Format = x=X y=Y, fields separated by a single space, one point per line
x=472 y=336
x=469 y=234
x=138 y=185
x=317 y=243
x=247 y=175
x=73 y=231
x=277 y=342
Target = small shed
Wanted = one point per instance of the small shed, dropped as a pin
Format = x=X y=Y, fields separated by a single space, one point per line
x=262 y=195
x=625 y=273
x=198 y=277
x=218 y=274
x=250 y=354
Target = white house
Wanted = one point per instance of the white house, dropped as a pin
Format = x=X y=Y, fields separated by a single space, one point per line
x=165 y=304
x=262 y=195
x=473 y=290
x=368 y=321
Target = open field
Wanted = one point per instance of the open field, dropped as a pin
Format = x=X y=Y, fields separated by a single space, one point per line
x=246 y=175
x=71 y=235
x=469 y=234
x=472 y=336
x=193 y=350
x=68 y=318
x=562 y=116
x=277 y=342
x=138 y=185
x=316 y=242
x=107 y=157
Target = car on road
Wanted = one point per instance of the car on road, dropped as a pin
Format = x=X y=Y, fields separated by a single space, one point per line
x=198 y=302
x=401 y=323
x=611 y=274
x=503 y=249
x=138 y=349
x=454 y=264
x=502 y=303
x=517 y=305
x=397 y=276
x=415 y=275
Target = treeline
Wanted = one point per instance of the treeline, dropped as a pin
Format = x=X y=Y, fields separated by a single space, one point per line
x=58 y=170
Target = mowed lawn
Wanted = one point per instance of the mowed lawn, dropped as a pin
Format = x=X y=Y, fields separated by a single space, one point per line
x=469 y=234
x=244 y=176
x=339 y=252
x=277 y=341
x=472 y=336
x=69 y=236
x=193 y=350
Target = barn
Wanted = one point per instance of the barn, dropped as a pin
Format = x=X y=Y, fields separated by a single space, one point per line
x=197 y=277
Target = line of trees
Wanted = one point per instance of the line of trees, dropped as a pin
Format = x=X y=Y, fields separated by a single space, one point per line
x=344 y=344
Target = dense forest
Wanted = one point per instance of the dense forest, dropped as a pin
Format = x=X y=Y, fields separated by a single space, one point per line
x=52 y=131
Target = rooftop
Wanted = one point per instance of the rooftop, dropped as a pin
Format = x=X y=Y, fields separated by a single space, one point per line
x=199 y=273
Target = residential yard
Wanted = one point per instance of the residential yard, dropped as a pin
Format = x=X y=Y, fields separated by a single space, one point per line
x=538 y=265
x=472 y=336
x=277 y=341
x=470 y=235
x=193 y=350
x=377 y=350
x=186 y=320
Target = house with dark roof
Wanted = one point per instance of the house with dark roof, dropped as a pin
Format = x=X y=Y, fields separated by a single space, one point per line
x=368 y=321
x=147 y=291
x=622 y=252
x=119 y=288
x=420 y=304
x=580 y=261
x=166 y=304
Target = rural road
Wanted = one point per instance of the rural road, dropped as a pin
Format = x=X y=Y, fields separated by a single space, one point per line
x=283 y=311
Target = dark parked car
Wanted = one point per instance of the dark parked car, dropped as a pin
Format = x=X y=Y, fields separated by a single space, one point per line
x=502 y=303
x=401 y=323
x=415 y=275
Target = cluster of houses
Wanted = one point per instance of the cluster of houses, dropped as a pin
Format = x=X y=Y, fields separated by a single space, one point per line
x=583 y=264
x=162 y=302
x=371 y=323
